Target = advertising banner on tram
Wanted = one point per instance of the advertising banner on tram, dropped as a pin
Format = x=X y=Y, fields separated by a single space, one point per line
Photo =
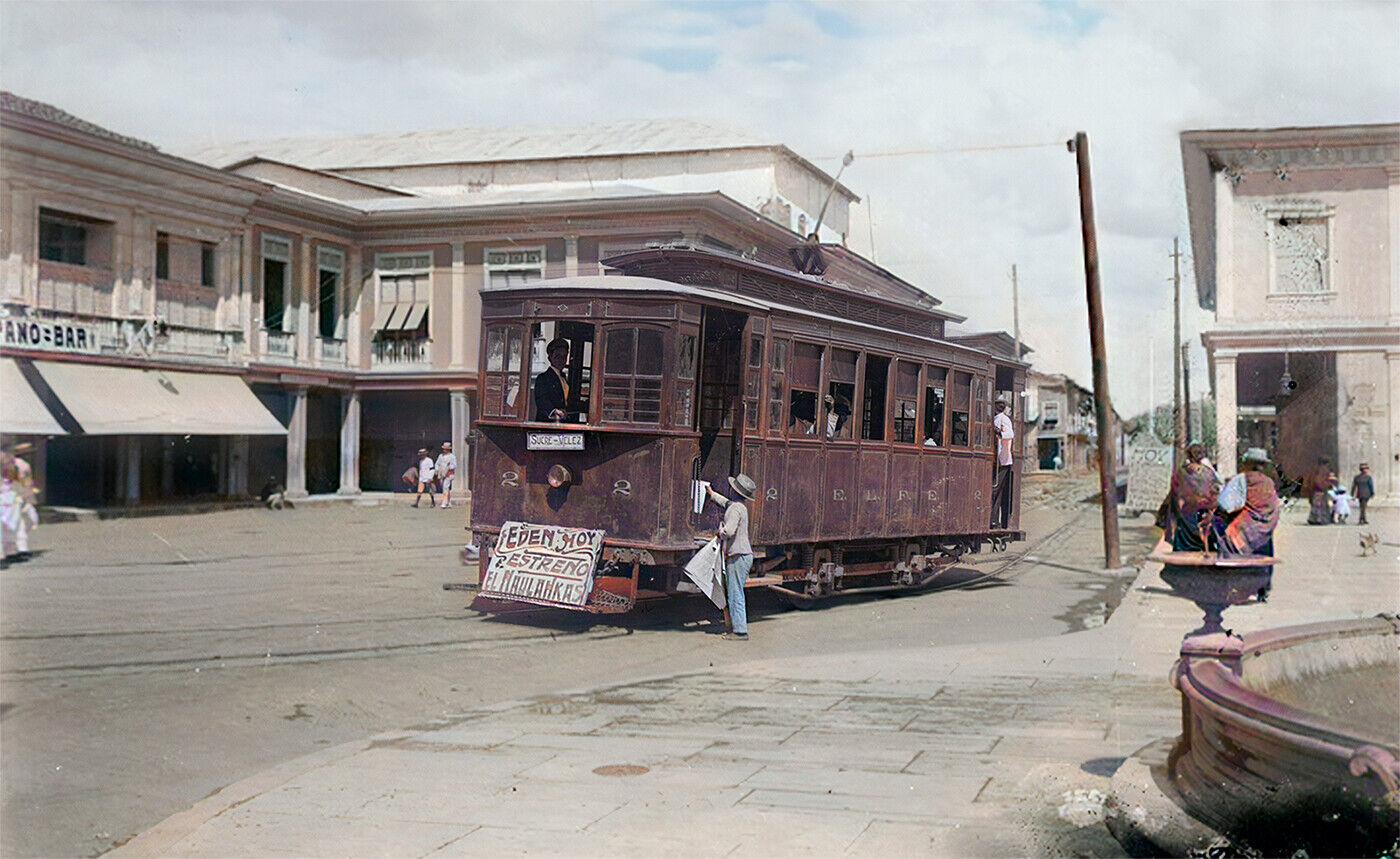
x=543 y=564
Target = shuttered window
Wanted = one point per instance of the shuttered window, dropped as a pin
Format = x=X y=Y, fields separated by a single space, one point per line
x=906 y=402
x=505 y=347
x=632 y=375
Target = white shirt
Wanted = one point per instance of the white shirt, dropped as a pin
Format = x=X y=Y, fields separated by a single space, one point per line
x=446 y=465
x=1005 y=434
x=425 y=470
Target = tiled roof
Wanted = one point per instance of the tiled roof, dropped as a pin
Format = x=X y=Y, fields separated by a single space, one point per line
x=477 y=145
x=39 y=110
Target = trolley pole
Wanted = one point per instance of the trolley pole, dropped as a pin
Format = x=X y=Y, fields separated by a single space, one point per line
x=1108 y=469
x=1178 y=422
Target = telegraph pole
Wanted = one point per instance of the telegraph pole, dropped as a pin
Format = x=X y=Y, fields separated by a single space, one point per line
x=1178 y=423
x=1108 y=468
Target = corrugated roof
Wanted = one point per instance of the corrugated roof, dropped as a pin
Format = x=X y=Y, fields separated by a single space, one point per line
x=477 y=145
x=40 y=110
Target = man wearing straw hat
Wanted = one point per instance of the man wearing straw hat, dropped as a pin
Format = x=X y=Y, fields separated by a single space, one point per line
x=738 y=551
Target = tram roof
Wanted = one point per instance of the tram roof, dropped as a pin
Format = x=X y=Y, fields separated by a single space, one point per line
x=633 y=283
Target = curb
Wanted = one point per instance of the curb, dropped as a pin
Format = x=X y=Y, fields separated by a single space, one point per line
x=1144 y=812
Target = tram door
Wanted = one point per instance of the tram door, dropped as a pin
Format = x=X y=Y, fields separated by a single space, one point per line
x=721 y=395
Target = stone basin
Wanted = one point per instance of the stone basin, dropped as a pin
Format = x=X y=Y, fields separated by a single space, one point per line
x=1214 y=583
x=1290 y=737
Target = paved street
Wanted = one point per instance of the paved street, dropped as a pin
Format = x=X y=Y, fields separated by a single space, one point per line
x=149 y=662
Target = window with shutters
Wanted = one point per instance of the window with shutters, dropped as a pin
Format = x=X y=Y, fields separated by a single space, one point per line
x=906 y=402
x=753 y=383
x=687 y=342
x=500 y=391
x=276 y=271
x=777 y=374
x=632 y=375
x=513 y=266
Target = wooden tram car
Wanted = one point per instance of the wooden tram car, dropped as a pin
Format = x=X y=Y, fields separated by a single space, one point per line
x=868 y=433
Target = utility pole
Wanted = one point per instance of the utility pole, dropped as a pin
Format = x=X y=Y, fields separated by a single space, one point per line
x=1179 y=425
x=1186 y=388
x=1108 y=467
x=1016 y=311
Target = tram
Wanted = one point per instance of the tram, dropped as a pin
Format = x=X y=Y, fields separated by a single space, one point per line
x=868 y=432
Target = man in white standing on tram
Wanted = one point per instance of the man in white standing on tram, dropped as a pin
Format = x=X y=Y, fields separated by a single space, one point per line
x=446 y=470
x=1001 y=487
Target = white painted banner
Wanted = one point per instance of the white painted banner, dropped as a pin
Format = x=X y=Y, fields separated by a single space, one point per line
x=1149 y=476
x=543 y=564
x=49 y=335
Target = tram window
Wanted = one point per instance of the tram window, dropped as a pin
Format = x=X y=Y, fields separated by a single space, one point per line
x=935 y=406
x=632 y=375
x=981 y=413
x=959 y=407
x=753 y=380
x=577 y=370
x=837 y=405
x=805 y=376
x=877 y=380
x=777 y=372
x=501 y=391
x=906 y=402
x=684 y=414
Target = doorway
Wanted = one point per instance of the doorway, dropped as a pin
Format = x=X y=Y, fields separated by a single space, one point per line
x=721 y=397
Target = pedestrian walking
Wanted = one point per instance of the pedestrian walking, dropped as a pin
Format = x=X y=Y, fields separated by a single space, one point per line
x=446 y=469
x=1317 y=485
x=1363 y=488
x=1341 y=504
x=738 y=551
x=426 y=476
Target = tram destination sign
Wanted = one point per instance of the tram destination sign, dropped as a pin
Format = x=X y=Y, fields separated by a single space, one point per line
x=543 y=564
x=554 y=441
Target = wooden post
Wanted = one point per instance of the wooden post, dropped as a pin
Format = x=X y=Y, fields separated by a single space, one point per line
x=1108 y=466
x=1178 y=423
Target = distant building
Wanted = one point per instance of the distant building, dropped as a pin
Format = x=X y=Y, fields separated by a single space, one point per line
x=1294 y=234
x=1061 y=428
x=307 y=312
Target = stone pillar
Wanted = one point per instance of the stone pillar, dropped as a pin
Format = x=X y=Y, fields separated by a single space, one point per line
x=457 y=306
x=302 y=273
x=571 y=256
x=1387 y=476
x=354 y=301
x=129 y=469
x=349 y=444
x=296 y=446
x=1226 y=415
x=461 y=426
x=17 y=244
x=167 y=468
x=238 y=466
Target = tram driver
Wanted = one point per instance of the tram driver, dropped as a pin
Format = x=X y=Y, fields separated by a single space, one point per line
x=552 y=386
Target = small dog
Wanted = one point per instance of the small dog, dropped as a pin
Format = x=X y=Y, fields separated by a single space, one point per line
x=1368 y=544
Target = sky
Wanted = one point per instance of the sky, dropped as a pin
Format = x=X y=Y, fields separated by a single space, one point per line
x=983 y=94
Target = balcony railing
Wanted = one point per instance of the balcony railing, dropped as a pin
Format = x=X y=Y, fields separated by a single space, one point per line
x=331 y=350
x=279 y=345
x=199 y=342
x=400 y=353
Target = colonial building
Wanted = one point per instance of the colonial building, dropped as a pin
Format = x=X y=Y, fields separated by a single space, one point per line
x=1294 y=233
x=1061 y=427
x=307 y=311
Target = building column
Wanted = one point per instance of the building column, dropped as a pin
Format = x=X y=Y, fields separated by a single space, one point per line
x=302 y=274
x=349 y=444
x=296 y=446
x=571 y=256
x=355 y=289
x=167 y=468
x=1390 y=474
x=461 y=426
x=1226 y=415
x=129 y=469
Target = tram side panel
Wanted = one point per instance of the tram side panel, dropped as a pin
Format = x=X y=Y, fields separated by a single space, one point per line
x=871 y=490
x=904 y=491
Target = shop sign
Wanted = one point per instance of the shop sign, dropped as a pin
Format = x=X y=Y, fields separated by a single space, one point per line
x=543 y=564
x=48 y=335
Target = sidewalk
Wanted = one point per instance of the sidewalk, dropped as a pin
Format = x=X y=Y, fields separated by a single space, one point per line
x=956 y=751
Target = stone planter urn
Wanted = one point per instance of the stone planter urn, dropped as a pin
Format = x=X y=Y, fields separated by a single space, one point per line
x=1215 y=583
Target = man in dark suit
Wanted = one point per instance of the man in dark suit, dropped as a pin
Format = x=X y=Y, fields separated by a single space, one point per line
x=551 y=387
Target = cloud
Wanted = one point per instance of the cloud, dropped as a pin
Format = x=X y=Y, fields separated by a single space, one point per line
x=824 y=77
